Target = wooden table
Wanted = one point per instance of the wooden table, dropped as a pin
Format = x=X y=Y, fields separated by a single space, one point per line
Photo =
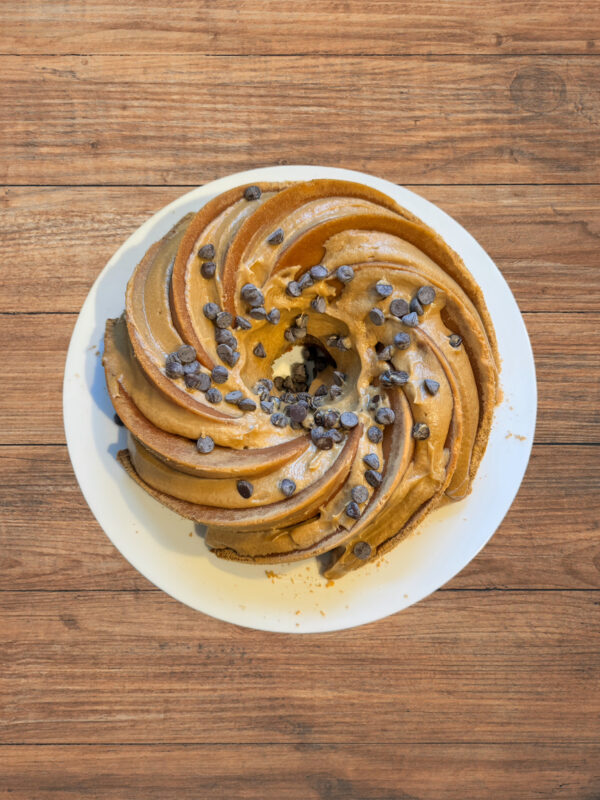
x=490 y=688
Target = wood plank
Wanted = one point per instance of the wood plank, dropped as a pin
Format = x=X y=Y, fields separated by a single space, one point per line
x=283 y=26
x=548 y=540
x=566 y=348
x=543 y=238
x=164 y=119
x=311 y=772
x=459 y=667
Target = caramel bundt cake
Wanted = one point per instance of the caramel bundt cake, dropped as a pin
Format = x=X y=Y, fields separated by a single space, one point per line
x=304 y=368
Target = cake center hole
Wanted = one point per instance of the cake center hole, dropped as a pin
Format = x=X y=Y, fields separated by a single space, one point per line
x=302 y=363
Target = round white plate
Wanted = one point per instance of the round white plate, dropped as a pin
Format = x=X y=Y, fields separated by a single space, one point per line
x=291 y=598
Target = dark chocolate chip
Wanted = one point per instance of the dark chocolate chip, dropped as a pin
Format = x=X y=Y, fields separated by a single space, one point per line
x=288 y=487
x=305 y=281
x=348 y=420
x=416 y=307
x=173 y=368
x=233 y=397
x=319 y=401
x=377 y=316
x=301 y=321
x=362 y=550
x=385 y=416
x=330 y=418
x=420 y=431
x=335 y=435
x=426 y=295
x=267 y=382
x=385 y=353
x=193 y=366
x=267 y=406
x=293 y=289
x=226 y=354
x=298 y=332
x=251 y=295
x=278 y=381
x=371 y=460
x=344 y=273
x=219 y=374
x=245 y=488
x=360 y=494
x=224 y=336
x=223 y=319
x=455 y=340
x=297 y=412
x=205 y=444
x=411 y=320
x=247 y=404
x=208 y=269
x=279 y=420
x=276 y=237
x=118 y=421
x=384 y=289
x=252 y=193
x=374 y=434
x=398 y=377
x=352 y=510
x=343 y=343
x=399 y=307
x=210 y=310
x=431 y=385
x=373 y=478
x=402 y=340
x=242 y=324
x=207 y=252
x=321 y=391
x=258 y=313
x=213 y=395
x=198 y=380
x=259 y=351
x=318 y=272
x=335 y=392
x=186 y=353
x=323 y=442
x=318 y=304
x=274 y=316
x=339 y=378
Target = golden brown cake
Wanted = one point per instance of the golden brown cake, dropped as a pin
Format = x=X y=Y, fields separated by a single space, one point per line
x=304 y=368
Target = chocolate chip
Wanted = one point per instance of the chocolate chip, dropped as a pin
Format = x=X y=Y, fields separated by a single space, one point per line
x=226 y=354
x=298 y=332
x=208 y=269
x=399 y=307
x=377 y=316
x=278 y=381
x=398 y=377
x=319 y=401
x=426 y=295
x=335 y=435
x=258 y=313
x=279 y=420
x=373 y=478
x=323 y=442
x=193 y=366
x=247 y=404
x=339 y=378
x=223 y=319
x=343 y=343
x=293 y=289
x=224 y=336
x=335 y=392
x=362 y=550
x=288 y=487
x=276 y=237
x=374 y=434
x=360 y=494
x=266 y=382
x=267 y=406
x=344 y=273
x=259 y=351
x=252 y=193
x=118 y=421
x=242 y=324
x=198 y=380
x=302 y=320
x=185 y=353
x=298 y=371
x=219 y=374
x=233 y=397
x=416 y=307
x=318 y=272
x=305 y=281
x=411 y=320
x=274 y=316
x=352 y=510
x=385 y=353
x=384 y=289
x=207 y=252
x=251 y=295
x=318 y=304
x=210 y=310
x=297 y=412
x=245 y=488
x=173 y=368
x=348 y=420
x=402 y=340
x=455 y=340
x=330 y=418
x=385 y=416
x=431 y=385
x=420 y=431
x=371 y=460
x=213 y=395
x=205 y=444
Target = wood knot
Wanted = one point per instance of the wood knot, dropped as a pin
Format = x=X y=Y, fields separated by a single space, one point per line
x=538 y=90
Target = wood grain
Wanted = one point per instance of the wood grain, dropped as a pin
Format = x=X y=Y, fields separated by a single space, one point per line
x=458 y=667
x=42 y=548
x=545 y=239
x=249 y=27
x=568 y=389
x=308 y=772
x=164 y=119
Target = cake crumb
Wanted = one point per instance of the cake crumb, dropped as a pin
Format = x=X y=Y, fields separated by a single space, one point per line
x=270 y=574
x=191 y=534
x=508 y=435
x=322 y=613
x=329 y=584
x=298 y=612
x=520 y=438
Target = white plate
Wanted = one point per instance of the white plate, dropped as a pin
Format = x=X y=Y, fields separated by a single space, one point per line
x=294 y=599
